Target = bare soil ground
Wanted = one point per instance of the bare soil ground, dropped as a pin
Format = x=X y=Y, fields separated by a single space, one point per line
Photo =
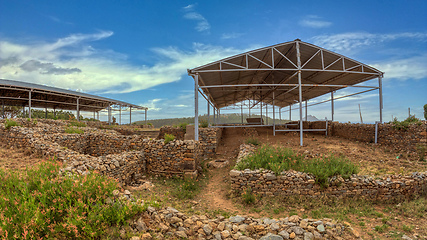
x=214 y=197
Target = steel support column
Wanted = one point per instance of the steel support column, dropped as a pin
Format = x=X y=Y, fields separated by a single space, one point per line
x=130 y=115
x=300 y=92
x=290 y=113
x=332 y=105
x=120 y=114
x=196 y=107
x=109 y=115
x=260 y=104
x=45 y=111
x=2 y=107
x=306 y=111
x=78 y=110
x=280 y=113
x=29 y=105
x=380 y=85
x=274 y=118
x=146 y=117
x=208 y=113
x=241 y=112
x=266 y=113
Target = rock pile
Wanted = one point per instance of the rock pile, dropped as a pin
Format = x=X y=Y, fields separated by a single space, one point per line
x=170 y=223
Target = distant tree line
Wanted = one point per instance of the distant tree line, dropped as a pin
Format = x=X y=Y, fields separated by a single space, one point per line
x=225 y=118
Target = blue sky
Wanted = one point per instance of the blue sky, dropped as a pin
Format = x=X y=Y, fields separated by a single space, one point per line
x=139 y=51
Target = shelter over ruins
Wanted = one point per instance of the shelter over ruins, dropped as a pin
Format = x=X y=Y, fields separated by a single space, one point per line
x=23 y=94
x=281 y=76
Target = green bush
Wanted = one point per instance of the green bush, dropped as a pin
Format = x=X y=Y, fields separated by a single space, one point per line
x=10 y=123
x=149 y=124
x=169 y=137
x=248 y=196
x=39 y=203
x=403 y=125
x=203 y=123
x=77 y=124
x=279 y=159
x=72 y=130
x=183 y=126
x=253 y=141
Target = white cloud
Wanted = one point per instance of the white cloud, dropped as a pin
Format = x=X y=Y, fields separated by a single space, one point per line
x=347 y=42
x=202 y=24
x=84 y=67
x=314 y=21
x=404 y=69
x=231 y=35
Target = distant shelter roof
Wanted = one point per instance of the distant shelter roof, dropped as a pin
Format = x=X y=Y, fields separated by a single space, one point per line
x=16 y=93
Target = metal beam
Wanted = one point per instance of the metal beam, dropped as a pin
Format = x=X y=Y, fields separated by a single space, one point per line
x=300 y=93
x=196 y=107
x=332 y=105
x=146 y=123
x=29 y=104
x=78 y=110
x=380 y=86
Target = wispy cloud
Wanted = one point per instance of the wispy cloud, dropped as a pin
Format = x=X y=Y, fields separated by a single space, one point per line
x=347 y=42
x=71 y=63
x=314 y=21
x=231 y=35
x=202 y=24
x=404 y=69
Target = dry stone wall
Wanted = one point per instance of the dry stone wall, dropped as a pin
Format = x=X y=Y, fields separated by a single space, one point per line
x=176 y=131
x=125 y=158
x=404 y=140
x=267 y=183
x=208 y=141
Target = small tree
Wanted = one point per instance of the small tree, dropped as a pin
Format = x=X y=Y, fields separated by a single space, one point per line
x=425 y=112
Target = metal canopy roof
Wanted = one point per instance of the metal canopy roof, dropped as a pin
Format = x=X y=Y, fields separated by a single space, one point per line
x=272 y=73
x=15 y=93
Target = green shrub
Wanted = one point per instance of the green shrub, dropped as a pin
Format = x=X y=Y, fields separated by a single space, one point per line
x=72 y=130
x=183 y=126
x=149 y=124
x=169 y=137
x=40 y=203
x=279 y=159
x=403 y=125
x=10 y=123
x=253 y=141
x=77 y=124
x=203 y=123
x=248 y=196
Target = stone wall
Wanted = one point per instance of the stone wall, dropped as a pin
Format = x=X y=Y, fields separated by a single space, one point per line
x=267 y=183
x=209 y=139
x=406 y=141
x=125 y=158
x=176 y=131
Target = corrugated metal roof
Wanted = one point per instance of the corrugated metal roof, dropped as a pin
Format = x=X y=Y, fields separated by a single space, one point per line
x=16 y=93
x=250 y=75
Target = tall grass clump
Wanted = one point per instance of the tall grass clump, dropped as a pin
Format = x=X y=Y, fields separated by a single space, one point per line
x=72 y=130
x=185 y=188
x=10 y=123
x=279 y=159
x=40 y=203
x=169 y=137
x=77 y=124
x=253 y=141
